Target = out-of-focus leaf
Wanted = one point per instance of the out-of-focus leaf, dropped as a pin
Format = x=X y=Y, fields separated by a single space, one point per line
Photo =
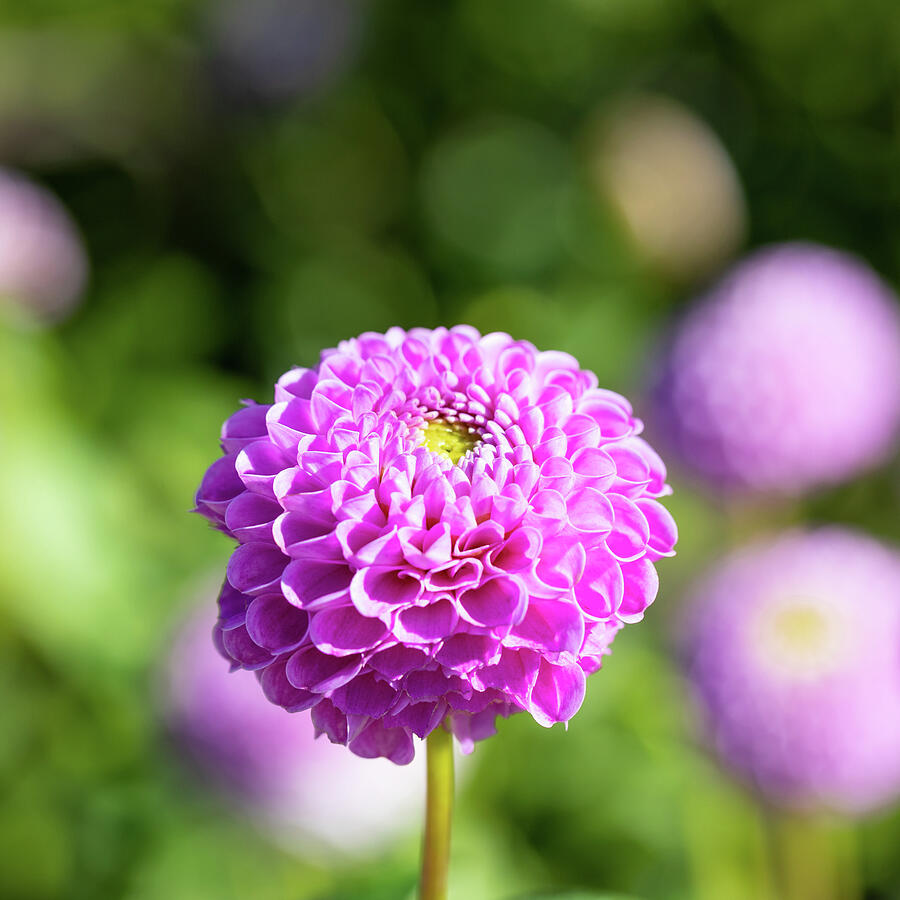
x=578 y=896
x=342 y=168
x=496 y=194
x=335 y=295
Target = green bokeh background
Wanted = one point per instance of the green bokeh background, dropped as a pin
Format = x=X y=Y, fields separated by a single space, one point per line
x=441 y=173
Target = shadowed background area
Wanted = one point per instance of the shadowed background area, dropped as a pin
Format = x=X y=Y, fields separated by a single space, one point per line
x=195 y=196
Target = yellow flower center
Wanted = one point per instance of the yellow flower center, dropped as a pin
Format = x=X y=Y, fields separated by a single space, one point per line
x=801 y=638
x=800 y=629
x=452 y=439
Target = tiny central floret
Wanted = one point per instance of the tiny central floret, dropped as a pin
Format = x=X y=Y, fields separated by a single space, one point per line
x=802 y=629
x=452 y=439
x=801 y=638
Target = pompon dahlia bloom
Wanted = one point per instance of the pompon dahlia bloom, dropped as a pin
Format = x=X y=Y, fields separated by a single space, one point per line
x=793 y=647
x=431 y=526
x=786 y=376
x=309 y=793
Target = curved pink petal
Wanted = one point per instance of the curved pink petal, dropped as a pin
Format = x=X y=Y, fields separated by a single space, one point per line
x=288 y=423
x=330 y=721
x=220 y=485
x=382 y=591
x=365 y=695
x=601 y=589
x=396 y=661
x=641 y=588
x=310 y=584
x=275 y=624
x=557 y=694
x=244 y=427
x=312 y=670
x=663 y=530
x=550 y=626
x=257 y=466
x=427 y=624
x=232 y=607
x=376 y=740
x=514 y=674
x=562 y=561
x=249 y=517
x=518 y=552
x=244 y=650
x=302 y=538
x=500 y=601
x=465 y=652
x=256 y=568
x=278 y=689
x=343 y=631
x=590 y=511
x=631 y=532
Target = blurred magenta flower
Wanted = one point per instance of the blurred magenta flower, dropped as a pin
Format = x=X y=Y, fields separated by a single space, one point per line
x=43 y=266
x=793 y=647
x=433 y=524
x=276 y=50
x=787 y=375
x=312 y=794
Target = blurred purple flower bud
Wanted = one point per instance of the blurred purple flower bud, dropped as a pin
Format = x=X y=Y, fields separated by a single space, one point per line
x=275 y=50
x=786 y=376
x=793 y=647
x=43 y=266
x=309 y=793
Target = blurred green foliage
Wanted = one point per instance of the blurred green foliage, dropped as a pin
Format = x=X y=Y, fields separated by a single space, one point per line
x=444 y=176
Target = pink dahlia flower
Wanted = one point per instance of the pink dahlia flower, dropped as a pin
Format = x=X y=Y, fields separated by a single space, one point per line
x=793 y=648
x=786 y=376
x=313 y=795
x=43 y=265
x=431 y=526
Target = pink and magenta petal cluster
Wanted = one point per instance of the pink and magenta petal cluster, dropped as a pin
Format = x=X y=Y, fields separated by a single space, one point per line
x=786 y=376
x=390 y=587
x=792 y=646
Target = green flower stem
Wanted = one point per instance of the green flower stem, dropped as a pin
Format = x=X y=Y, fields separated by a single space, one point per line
x=814 y=858
x=438 y=816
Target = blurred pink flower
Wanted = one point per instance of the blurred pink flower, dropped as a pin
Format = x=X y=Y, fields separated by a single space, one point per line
x=793 y=648
x=43 y=266
x=313 y=795
x=275 y=50
x=786 y=376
